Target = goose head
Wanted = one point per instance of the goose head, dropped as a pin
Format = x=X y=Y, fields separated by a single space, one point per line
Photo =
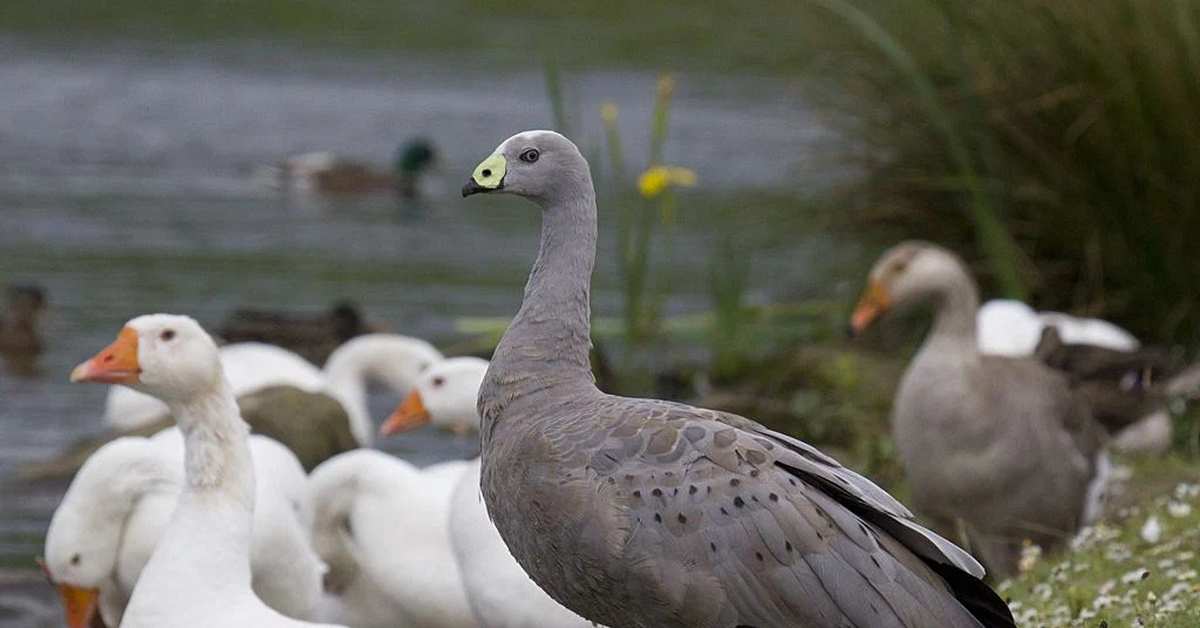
x=909 y=272
x=444 y=395
x=541 y=166
x=391 y=360
x=163 y=355
x=88 y=531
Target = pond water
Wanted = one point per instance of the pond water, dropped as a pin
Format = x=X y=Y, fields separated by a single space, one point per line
x=127 y=186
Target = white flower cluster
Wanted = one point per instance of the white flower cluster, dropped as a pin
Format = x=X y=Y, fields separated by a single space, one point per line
x=1136 y=574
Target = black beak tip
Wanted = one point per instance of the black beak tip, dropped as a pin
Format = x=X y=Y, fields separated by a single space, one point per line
x=473 y=187
x=850 y=332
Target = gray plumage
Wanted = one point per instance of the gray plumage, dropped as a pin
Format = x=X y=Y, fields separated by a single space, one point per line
x=643 y=513
x=999 y=445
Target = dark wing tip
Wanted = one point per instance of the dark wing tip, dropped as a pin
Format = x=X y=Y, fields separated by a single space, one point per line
x=976 y=596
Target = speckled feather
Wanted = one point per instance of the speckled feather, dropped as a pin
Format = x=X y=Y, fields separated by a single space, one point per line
x=703 y=518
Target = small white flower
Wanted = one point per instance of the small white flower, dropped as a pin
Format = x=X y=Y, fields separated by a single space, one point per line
x=1151 y=531
x=1030 y=553
x=1118 y=552
x=1177 y=589
x=1136 y=575
x=1179 y=509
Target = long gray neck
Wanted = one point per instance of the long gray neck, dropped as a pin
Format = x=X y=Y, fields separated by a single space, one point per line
x=957 y=308
x=548 y=342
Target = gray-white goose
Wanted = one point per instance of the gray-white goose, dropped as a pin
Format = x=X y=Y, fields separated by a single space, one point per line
x=638 y=512
x=1001 y=444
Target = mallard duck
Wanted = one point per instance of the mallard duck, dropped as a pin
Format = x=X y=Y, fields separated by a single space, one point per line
x=312 y=336
x=327 y=173
x=20 y=337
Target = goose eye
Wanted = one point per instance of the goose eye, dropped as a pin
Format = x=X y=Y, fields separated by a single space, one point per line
x=75 y=559
x=438 y=381
x=530 y=155
x=898 y=266
x=167 y=335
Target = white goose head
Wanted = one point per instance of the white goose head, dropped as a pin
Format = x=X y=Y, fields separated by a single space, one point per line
x=87 y=532
x=164 y=355
x=444 y=395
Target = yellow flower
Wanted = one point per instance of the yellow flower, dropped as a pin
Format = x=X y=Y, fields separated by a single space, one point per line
x=608 y=111
x=657 y=179
x=666 y=85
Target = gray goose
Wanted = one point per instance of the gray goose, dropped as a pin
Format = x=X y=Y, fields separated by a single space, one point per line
x=638 y=513
x=1000 y=445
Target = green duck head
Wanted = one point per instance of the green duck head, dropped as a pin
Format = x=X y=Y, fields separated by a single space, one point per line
x=414 y=156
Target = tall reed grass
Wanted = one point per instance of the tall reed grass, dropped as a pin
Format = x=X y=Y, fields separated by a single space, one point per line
x=1055 y=141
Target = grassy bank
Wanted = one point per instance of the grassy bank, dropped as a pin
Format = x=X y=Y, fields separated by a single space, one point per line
x=1137 y=569
x=1064 y=128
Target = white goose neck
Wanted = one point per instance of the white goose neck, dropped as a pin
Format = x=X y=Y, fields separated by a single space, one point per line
x=211 y=528
x=373 y=357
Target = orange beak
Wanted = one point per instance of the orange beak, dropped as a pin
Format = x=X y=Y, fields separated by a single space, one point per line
x=411 y=414
x=875 y=301
x=80 y=604
x=115 y=364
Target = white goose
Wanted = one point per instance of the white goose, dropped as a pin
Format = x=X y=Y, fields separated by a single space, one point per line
x=500 y=593
x=390 y=359
x=106 y=527
x=120 y=502
x=1009 y=327
x=380 y=525
x=199 y=574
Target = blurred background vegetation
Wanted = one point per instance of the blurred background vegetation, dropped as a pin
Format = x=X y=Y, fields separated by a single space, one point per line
x=1052 y=143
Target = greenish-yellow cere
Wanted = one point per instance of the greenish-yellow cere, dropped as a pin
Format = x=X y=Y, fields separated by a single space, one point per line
x=490 y=172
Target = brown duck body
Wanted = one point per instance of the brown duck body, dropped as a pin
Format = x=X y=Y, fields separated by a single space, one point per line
x=639 y=513
x=20 y=335
x=1121 y=387
x=270 y=412
x=313 y=337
